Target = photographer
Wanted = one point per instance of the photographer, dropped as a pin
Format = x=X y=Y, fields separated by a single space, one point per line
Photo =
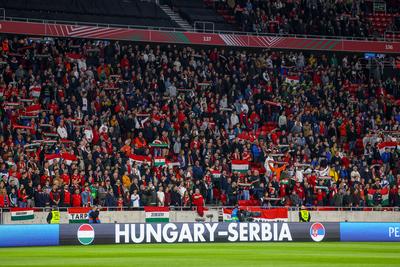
x=94 y=215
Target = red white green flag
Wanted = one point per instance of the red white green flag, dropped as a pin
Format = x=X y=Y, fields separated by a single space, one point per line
x=241 y=166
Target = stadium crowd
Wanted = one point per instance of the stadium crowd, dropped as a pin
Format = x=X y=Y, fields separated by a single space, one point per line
x=122 y=124
x=312 y=17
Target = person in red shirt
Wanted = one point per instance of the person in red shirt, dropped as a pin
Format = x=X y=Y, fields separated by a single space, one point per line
x=320 y=197
x=66 y=197
x=76 y=199
x=22 y=198
x=299 y=190
x=4 y=199
x=76 y=178
x=198 y=201
x=120 y=203
x=66 y=179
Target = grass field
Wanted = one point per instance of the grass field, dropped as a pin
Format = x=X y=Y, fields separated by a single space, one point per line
x=207 y=255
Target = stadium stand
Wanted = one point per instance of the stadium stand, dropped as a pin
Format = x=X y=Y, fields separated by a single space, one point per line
x=328 y=18
x=104 y=122
x=122 y=12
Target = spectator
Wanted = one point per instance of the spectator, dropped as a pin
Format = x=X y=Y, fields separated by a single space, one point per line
x=313 y=119
x=160 y=197
x=135 y=199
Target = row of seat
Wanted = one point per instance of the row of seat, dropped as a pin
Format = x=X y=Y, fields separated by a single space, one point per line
x=89 y=7
x=126 y=12
x=46 y=15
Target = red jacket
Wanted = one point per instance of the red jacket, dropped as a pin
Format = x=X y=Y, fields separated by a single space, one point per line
x=67 y=197
x=76 y=200
x=3 y=200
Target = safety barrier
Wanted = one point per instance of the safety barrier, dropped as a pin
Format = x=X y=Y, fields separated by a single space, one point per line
x=173 y=29
x=141 y=233
x=220 y=208
x=163 y=35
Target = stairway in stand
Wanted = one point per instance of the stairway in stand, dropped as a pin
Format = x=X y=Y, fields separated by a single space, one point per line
x=175 y=17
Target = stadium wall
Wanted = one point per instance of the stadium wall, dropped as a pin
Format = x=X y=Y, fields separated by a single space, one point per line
x=213 y=216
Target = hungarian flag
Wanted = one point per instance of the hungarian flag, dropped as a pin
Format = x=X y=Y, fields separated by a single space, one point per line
x=22 y=214
x=227 y=215
x=68 y=158
x=78 y=215
x=158 y=143
x=268 y=215
x=156 y=214
x=139 y=159
x=241 y=166
x=390 y=144
x=35 y=90
x=52 y=158
x=385 y=197
x=216 y=174
x=172 y=164
x=292 y=79
x=159 y=161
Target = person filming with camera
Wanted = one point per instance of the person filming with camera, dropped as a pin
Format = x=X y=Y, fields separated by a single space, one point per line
x=93 y=215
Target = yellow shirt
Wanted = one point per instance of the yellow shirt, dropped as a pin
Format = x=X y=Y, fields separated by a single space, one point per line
x=126 y=181
x=333 y=174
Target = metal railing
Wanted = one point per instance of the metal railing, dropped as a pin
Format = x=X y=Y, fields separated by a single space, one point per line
x=173 y=29
x=393 y=37
x=220 y=208
x=201 y=26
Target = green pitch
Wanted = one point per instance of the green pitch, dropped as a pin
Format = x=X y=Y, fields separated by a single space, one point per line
x=207 y=255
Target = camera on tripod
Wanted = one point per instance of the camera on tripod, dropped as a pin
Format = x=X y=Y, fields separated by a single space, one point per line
x=248 y=216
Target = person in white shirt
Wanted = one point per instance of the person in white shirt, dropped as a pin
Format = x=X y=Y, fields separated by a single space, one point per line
x=355 y=174
x=88 y=134
x=223 y=103
x=160 y=197
x=62 y=130
x=282 y=121
x=266 y=165
x=234 y=119
x=135 y=199
x=244 y=107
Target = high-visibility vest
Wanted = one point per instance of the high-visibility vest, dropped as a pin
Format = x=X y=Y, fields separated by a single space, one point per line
x=305 y=214
x=55 y=217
